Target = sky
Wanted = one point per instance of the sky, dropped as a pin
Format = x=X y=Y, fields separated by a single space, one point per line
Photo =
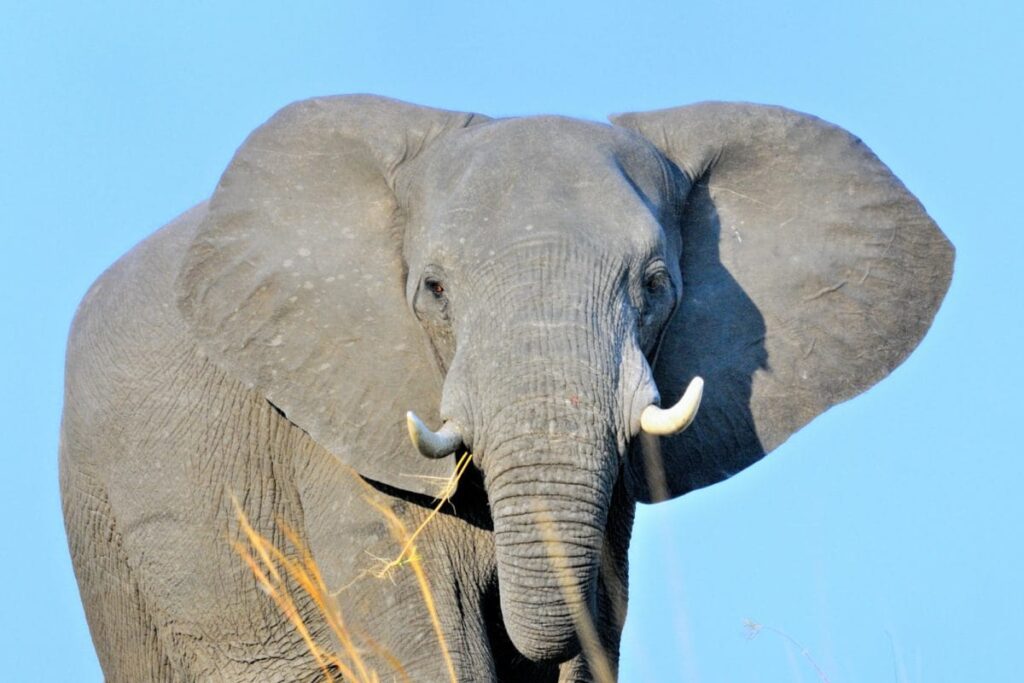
x=880 y=543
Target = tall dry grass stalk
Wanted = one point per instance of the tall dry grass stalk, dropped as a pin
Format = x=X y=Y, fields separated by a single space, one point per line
x=280 y=573
x=754 y=629
x=273 y=568
x=409 y=540
x=590 y=642
x=276 y=570
x=399 y=531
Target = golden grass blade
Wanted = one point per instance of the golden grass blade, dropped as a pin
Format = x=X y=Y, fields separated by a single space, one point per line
x=276 y=588
x=255 y=539
x=402 y=535
x=254 y=567
x=593 y=651
x=270 y=565
x=428 y=599
x=308 y=576
x=446 y=493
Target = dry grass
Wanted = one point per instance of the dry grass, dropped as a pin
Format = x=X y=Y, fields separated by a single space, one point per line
x=408 y=551
x=280 y=573
x=273 y=569
x=399 y=531
x=593 y=651
x=754 y=629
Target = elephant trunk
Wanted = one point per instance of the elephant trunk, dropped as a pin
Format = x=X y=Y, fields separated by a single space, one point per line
x=550 y=488
x=545 y=386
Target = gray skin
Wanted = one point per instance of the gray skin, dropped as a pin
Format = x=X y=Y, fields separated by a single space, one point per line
x=536 y=282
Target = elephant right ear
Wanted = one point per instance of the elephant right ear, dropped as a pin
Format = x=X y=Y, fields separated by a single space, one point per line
x=810 y=272
x=295 y=282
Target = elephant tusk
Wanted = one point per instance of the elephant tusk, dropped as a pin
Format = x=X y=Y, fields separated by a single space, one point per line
x=431 y=444
x=660 y=422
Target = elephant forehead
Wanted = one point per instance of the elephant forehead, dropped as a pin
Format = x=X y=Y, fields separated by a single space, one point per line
x=550 y=160
x=545 y=232
x=522 y=179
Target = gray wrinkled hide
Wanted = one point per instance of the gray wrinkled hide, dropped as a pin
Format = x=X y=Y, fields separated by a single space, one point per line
x=809 y=272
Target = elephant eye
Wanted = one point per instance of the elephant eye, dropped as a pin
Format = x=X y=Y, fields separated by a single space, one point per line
x=658 y=296
x=435 y=287
x=432 y=294
x=656 y=282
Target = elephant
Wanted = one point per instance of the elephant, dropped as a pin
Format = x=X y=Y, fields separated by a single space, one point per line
x=600 y=314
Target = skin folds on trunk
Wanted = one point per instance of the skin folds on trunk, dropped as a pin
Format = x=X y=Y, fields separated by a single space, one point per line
x=550 y=495
x=542 y=379
x=547 y=440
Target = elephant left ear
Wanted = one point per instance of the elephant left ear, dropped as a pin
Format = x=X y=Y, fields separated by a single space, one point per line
x=809 y=273
x=295 y=284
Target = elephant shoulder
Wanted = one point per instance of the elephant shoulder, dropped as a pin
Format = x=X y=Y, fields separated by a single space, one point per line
x=131 y=306
x=128 y=338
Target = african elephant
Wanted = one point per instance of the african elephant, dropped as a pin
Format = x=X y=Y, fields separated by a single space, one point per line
x=533 y=289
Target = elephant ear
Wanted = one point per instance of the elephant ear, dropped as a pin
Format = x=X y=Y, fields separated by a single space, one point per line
x=809 y=273
x=295 y=283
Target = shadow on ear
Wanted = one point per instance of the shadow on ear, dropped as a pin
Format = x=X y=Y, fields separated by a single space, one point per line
x=809 y=270
x=295 y=281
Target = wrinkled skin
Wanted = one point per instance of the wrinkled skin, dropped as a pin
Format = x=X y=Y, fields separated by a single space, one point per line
x=536 y=283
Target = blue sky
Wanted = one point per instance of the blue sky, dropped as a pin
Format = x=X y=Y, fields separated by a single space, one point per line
x=883 y=538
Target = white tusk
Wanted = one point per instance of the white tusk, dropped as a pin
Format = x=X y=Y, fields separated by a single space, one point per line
x=431 y=444
x=660 y=422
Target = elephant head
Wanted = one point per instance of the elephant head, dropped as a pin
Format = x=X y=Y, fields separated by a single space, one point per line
x=536 y=284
